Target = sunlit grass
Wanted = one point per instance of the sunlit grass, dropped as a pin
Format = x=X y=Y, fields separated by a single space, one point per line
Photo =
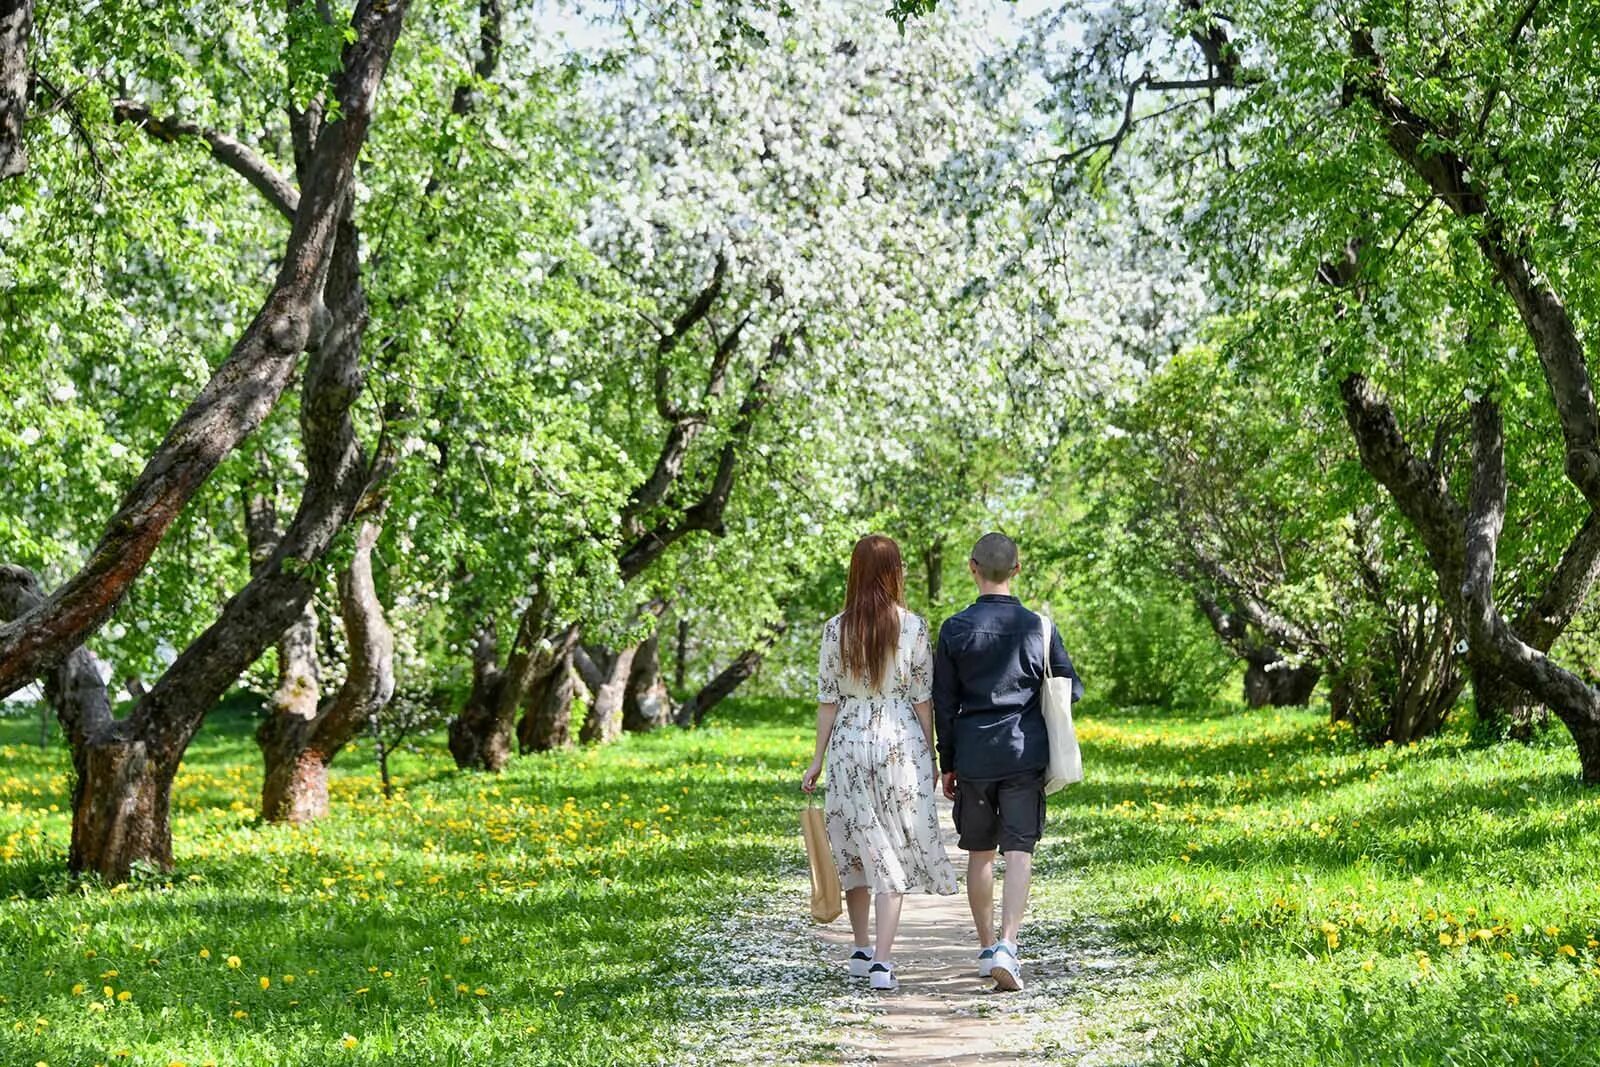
x=1306 y=899
x=529 y=918
x=1315 y=901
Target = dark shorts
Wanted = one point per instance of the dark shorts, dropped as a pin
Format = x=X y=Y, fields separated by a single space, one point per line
x=1004 y=813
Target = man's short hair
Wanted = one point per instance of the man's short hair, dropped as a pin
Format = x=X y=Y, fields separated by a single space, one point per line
x=996 y=557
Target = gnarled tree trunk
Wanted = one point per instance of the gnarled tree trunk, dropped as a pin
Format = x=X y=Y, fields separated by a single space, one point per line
x=603 y=723
x=295 y=318
x=480 y=736
x=16 y=23
x=1270 y=681
x=646 y=704
x=120 y=794
x=471 y=731
x=547 y=712
x=302 y=735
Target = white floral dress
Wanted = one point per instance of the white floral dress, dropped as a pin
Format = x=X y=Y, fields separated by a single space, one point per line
x=882 y=823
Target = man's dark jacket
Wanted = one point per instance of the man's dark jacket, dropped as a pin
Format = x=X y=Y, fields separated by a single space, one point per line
x=987 y=674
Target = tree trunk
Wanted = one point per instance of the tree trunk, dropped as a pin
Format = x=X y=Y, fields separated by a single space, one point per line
x=291 y=790
x=295 y=788
x=480 y=736
x=646 y=704
x=471 y=731
x=603 y=723
x=120 y=811
x=547 y=713
x=933 y=563
x=731 y=677
x=1504 y=709
x=241 y=392
x=300 y=743
x=16 y=22
x=680 y=664
x=120 y=796
x=1271 y=682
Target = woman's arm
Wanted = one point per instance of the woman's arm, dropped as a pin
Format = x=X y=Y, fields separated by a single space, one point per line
x=924 y=710
x=826 y=712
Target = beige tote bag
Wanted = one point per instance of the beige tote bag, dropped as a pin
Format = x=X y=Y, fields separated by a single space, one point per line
x=1055 y=700
x=826 y=896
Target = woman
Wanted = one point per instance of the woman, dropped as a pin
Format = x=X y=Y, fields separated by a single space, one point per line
x=875 y=725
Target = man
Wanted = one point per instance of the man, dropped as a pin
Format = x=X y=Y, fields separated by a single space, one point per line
x=993 y=747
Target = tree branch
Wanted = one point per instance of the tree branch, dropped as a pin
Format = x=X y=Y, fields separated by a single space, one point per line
x=706 y=513
x=231 y=153
x=1418 y=489
x=1422 y=145
x=698 y=309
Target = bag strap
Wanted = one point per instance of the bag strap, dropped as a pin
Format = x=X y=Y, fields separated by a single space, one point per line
x=1044 y=632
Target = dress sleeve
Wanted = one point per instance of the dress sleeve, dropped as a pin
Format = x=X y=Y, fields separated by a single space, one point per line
x=921 y=664
x=828 y=665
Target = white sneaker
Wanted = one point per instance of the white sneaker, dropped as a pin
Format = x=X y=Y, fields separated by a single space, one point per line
x=986 y=962
x=882 y=975
x=860 y=962
x=1007 y=968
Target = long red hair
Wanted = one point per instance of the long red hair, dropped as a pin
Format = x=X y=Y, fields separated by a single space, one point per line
x=869 y=629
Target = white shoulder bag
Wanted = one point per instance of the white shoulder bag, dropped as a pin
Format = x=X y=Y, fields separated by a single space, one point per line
x=1055 y=700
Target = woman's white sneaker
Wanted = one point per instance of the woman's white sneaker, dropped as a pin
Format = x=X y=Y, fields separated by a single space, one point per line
x=986 y=962
x=882 y=976
x=860 y=962
x=1007 y=968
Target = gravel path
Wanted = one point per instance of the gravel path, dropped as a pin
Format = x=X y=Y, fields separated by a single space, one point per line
x=780 y=991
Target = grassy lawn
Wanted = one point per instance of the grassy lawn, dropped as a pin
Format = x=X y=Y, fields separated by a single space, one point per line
x=1312 y=901
x=1305 y=900
x=541 y=916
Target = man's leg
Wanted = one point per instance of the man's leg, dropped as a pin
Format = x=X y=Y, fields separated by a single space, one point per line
x=980 y=894
x=1014 y=898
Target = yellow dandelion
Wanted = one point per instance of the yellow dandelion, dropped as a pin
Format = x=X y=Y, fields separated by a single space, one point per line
x=1368 y=963
x=1552 y=930
x=1511 y=998
x=480 y=991
x=108 y=991
x=288 y=979
x=205 y=954
x=124 y=996
x=266 y=983
x=77 y=989
x=1566 y=950
x=349 y=1041
x=233 y=963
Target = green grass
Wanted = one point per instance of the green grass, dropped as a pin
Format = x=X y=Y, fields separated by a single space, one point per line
x=1294 y=890
x=1299 y=889
x=532 y=917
